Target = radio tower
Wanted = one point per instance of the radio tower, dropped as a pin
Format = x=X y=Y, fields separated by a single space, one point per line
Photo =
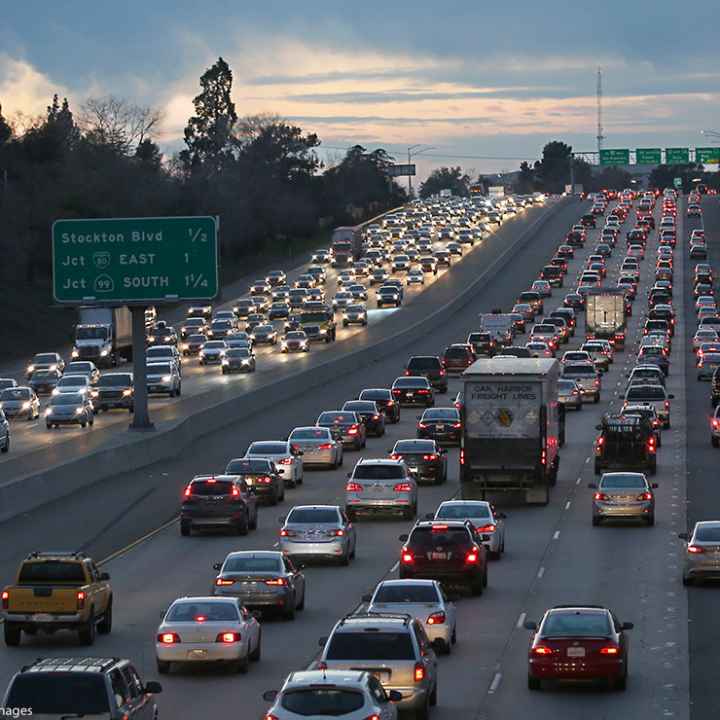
x=600 y=137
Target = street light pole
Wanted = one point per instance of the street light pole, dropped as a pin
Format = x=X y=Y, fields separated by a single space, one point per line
x=410 y=155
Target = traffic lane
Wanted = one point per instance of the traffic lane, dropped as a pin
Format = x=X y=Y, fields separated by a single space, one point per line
x=443 y=290
x=599 y=573
x=703 y=495
x=127 y=506
x=146 y=580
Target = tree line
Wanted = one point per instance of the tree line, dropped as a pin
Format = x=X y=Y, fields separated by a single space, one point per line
x=262 y=175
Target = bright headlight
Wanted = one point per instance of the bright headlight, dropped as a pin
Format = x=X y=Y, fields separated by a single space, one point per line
x=79 y=411
x=127 y=392
x=283 y=344
x=166 y=378
x=75 y=353
x=245 y=361
x=151 y=338
x=103 y=353
x=48 y=412
x=30 y=368
x=52 y=368
x=225 y=362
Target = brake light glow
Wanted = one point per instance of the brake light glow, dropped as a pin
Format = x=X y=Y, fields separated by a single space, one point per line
x=457 y=425
x=223 y=582
x=325 y=446
x=264 y=480
x=5 y=599
x=543 y=457
x=235 y=491
x=168 y=638
x=437 y=618
x=397 y=391
x=645 y=496
x=542 y=650
x=406 y=556
x=353 y=487
x=485 y=529
x=423 y=391
x=472 y=557
x=287 y=533
x=610 y=650
x=228 y=637
x=286 y=461
x=600 y=496
x=402 y=487
x=430 y=457
x=462 y=456
x=422 y=425
x=188 y=491
x=667 y=404
x=276 y=581
x=695 y=549
x=419 y=672
x=80 y=599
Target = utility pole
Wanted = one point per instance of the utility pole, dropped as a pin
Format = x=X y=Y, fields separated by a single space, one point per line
x=411 y=152
x=599 y=94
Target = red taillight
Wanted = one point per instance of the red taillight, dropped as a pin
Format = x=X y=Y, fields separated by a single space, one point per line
x=484 y=529
x=235 y=491
x=695 y=549
x=715 y=423
x=430 y=457
x=81 y=597
x=287 y=533
x=407 y=372
x=419 y=672
x=168 y=638
x=353 y=487
x=270 y=716
x=423 y=391
x=600 y=496
x=188 y=491
x=263 y=480
x=462 y=456
x=651 y=444
x=610 y=650
x=402 y=487
x=645 y=496
x=457 y=425
x=543 y=457
x=374 y=716
x=223 y=582
x=406 y=556
x=473 y=556
x=228 y=637
x=422 y=425
x=442 y=372
x=376 y=417
x=325 y=446
x=667 y=404
x=276 y=581
x=286 y=461
x=437 y=618
x=397 y=391
x=5 y=600
x=542 y=650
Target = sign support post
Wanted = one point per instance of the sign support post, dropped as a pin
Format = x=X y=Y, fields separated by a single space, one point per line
x=141 y=415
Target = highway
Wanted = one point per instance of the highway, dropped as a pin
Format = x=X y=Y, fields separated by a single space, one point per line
x=203 y=387
x=553 y=554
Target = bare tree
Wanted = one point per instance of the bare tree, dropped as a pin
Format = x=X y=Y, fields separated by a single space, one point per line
x=114 y=122
x=249 y=128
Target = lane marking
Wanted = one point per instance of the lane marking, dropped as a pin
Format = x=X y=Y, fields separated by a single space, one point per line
x=556 y=535
x=139 y=541
x=541 y=572
x=495 y=684
x=567 y=504
x=521 y=620
x=395 y=567
x=577 y=482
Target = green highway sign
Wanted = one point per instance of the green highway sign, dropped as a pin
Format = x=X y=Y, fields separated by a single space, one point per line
x=677 y=156
x=615 y=157
x=677 y=182
x=707 y=155
x=135 y=260
x=648 y=156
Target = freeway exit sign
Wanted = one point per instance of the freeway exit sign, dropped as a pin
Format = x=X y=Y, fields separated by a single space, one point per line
x=135 y=260
x=648 y=156
x=677 y=156
x=615 y=157
x=707 y=155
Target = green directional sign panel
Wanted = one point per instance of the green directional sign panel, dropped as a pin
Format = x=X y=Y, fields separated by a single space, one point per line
x=677 y=182
x=135 y=260
x=648 y=156
x=677 y=156
x=707 y=155
x=615 y=157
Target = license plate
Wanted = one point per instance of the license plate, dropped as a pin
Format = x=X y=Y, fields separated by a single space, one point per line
x=409 y=394
x=440 y=428
x=197 y=654
x=438 y=556
x=576 y=652
x=42 y=617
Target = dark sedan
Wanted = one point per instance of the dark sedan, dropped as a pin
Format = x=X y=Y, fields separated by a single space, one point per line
x=345 y=426
x=441 y=424
x=369 y=413
x=261 y=475
x=413 y=391
x=383 y=398
x=425 y=459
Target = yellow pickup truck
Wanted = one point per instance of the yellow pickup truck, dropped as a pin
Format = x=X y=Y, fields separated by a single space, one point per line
x=57 y=591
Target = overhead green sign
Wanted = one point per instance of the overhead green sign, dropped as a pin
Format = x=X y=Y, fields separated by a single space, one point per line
x=677 y=156
x=707 y=155
x=615 y=157
x=135 y=260
x=648 y=156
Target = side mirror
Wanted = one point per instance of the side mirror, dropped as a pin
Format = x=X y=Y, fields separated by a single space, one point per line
x=627 y=626
x=349 y=475
x=322 y=642
x=394 y=696
x=403 y=538
x=501 y=515
x=281 y=520
x=418 y=417
x=530 y=625
x=429 y=516
x=217 y=566
x=598 y=427
x=592 y=486
x=367 y=598
x=671 y=396
x=104 y=576
x=684 y=536
x=153 y=687
x=270 y=695
x=654 y=486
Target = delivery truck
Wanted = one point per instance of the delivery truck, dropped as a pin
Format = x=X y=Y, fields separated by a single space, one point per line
x=605 y=315
x=500 y=325
x=347 y=245
x=103 y=335
x=512 y=428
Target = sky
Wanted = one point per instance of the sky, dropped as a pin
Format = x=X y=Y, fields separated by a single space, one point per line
x=485 y=85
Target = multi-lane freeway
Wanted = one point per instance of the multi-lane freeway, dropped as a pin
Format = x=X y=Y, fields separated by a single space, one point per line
x=553 y=554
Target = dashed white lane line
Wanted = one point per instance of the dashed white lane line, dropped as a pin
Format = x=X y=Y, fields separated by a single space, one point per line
x=495 y=684
x=578 y=481
x=394 y=567
x=521 y=620
x=556 y=535
x=568 y=504
x=541 y=572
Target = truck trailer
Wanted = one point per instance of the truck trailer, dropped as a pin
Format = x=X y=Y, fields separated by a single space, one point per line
x=605 y=315
x=511 y=431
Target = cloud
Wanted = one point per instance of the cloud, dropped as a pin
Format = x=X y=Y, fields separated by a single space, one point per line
x=24 y=89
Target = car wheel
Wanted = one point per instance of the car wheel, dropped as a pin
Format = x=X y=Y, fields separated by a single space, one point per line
x=595 y=520
x=650 y=519
x=255 y=654
x=185 y=528
x=423 y=713
x=83 y=424
x=596 y=399
x=13 y=634
x=163 y=667
x=275 y=499
x=243 y=527
x=434 y=696
x=715 y=442
x=476 y=587
x=534 y=683
x=686 y=581
x=289 y=612
x=241 y=665
x=345 y=559
x=352 y=515
x=105 y=625
x=86 y=632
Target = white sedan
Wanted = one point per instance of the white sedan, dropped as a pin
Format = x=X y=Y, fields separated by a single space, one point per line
x=207 y=630
x=488 y=523
x=288 y=461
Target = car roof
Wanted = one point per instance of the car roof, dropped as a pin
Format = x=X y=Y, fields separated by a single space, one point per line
x=273 y=554
x=314 y=507
x=331 y=678
x=72 y=664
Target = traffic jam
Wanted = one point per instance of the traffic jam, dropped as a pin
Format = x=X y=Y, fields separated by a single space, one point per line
x=603 y=301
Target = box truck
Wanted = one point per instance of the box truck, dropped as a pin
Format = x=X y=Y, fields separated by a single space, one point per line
x=103 y=335
x=511 y=430
x=605 y=315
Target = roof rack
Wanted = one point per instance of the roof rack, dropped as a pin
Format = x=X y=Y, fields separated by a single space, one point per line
x=57 y=553
x=376 y=616
x=70 y=664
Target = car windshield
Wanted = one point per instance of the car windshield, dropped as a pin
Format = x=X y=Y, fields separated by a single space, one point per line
x=15 y=394
x=73 y=381
x=297 y=335
x=51 y=571
x=215 y=345
x=410 y=593
x=382 y=646
x=159 y=369
x=461 y=511
x=618 y=480
x=115 y=380
x=410 y=382
x=424 y=539
x=68 y=399
x=267 y=448
x=378 y=472
x=576 y=624
x=79 y=367
x=441 y=414
x=414 y=446
x=242 y=466
x=59 y=694
x=322 y=701
x=211 y=487
x=375 y=395
x=45 y=359
x=160 y=352
x=336 y=417
x=252 y=564
x=310 y=434
x=191 y=610
x=196 y=339
x=566 y=385
x=313 y=515
x=243 y=352
x=90 y=332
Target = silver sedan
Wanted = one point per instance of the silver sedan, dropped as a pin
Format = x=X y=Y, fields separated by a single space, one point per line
x=207 y=630
x=288 y=461
x=489 y=524
x=317 y=446
x=319 y=532
x=702 y=553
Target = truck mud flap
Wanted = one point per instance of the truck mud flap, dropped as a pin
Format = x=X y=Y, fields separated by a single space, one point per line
x=538 y=495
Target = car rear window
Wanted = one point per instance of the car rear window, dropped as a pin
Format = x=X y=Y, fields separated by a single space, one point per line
x=456 y=352
x=241 y=466
x=15 y=394
x=190 y=611
x=463 y=511
x=577 y=370
x=410 y=382
x=251 y=565
x=52 y=571
x=211 y=487
x=411 y=593
x=379 y=472
x=336 y=417
x=267 y=448
x=645 y=392
x=414 y=446
x=423 y=363
x=576 y=623
x=707 y=534
x=59 y=694
x=635 y=482
x=325 y=702
x=115 y=380
x=360 y=406
x=426 y=538
x=371 y=646
x=313 y=515
x=441 y=414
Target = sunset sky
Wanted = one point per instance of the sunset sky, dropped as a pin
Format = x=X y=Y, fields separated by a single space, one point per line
x=470 y=79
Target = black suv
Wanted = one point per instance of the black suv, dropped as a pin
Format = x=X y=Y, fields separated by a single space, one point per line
x=223 y=501
x=261 y=475
x=626 y=443
x=482 y=343
x=79 y=687
x=425 y=459
x=715 y=389
x=444 y=551
x=430 y=367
